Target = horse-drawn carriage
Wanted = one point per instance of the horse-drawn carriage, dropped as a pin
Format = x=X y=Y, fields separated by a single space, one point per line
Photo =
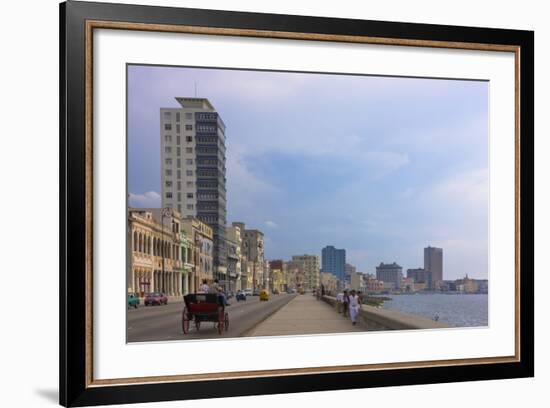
x=204 y=307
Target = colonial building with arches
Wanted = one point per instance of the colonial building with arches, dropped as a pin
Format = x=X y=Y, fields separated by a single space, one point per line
x=159 y=252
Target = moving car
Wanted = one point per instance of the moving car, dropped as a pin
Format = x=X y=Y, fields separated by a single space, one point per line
x=155 y=298
x=264 y=295
x=276 y=291
x=240 y=296
x=133 y=300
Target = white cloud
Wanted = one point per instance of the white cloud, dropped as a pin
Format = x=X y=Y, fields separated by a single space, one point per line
x=468 y=189
x=271 y=224
x=150 y=199
x=244 y=188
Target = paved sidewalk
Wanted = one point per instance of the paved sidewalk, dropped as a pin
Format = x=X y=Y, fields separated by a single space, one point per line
x=305 y=315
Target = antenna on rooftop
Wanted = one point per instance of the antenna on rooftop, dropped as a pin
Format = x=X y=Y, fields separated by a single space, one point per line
x=195 y=89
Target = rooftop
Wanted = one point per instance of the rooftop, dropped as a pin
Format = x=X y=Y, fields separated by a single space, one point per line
x=200 y=103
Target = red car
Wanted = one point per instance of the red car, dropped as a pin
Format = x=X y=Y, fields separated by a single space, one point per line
x=156 y=298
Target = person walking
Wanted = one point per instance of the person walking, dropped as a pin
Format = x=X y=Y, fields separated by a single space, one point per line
x=345 y=303
x=340 y=301
x=354 y=306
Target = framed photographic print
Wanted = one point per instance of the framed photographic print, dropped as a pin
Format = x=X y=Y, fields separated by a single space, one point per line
x=256 y=204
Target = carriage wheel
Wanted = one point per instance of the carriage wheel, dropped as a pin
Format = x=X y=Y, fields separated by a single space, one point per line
x=185 y=321
x=220 y=320
x=197 y=324
x=226 y=322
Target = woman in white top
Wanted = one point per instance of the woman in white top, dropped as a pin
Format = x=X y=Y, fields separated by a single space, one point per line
x=354 y=306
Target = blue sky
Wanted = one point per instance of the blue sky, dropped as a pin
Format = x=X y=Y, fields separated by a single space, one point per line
x=379 y=166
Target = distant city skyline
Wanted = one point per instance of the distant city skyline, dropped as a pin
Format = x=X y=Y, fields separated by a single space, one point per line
x=381 y=167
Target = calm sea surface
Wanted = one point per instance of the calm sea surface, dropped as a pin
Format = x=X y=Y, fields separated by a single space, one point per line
x=454 y=310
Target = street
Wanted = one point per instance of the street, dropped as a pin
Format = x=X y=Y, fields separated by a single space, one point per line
x=161 y=323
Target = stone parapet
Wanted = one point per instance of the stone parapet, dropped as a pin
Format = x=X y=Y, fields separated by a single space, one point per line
x=381 y=319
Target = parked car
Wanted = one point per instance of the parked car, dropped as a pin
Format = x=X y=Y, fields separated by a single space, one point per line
x=155 y=298
x=133 y=300
x=264 y=295
x=240 y=296
x=248 y=292
x=256 y=292
x=276 y=291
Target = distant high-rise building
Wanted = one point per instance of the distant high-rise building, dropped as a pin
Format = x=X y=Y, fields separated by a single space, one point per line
x=390 y=273
x=334 y=261
x=433 y=262
x=420 y=275
x=192 y=140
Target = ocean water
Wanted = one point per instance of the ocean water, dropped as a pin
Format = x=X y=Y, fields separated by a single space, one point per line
x=454 y=310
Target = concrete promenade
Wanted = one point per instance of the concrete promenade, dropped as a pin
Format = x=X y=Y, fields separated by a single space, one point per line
x=305 y=315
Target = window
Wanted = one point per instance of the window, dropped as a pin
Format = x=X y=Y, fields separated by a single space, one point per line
x=189 y=139
x=167 y=126
x=189 y=172
x=167 y=115
x=178 y=139
x=189 y=184
x=169 y=194
x=179 y=207
x=179 y=185
x=168 y=161
x=167 y=149
x=179 y=163
x=189 y=195
x=168 y=184
x=188 y=150
x=168 y=172
x=179 y=174
x=179 y=196
x=178 y=128
x=189 y=206
x=188 y=127
x=168 y=138
x=178 y=151
x=177 y=116
x=189 y=161
x=188 y=116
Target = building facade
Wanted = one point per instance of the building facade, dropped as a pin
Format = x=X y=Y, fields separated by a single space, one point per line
x=278 y=275
x=433 y=262
x=390 y=274
x=159 y=255
x=253 y=250
x=373 y=285
x=356 y=281
x=350 y=269
x=234 y=256
x=420 y=275
x=295 y=274
x=329 y=282
x=334 y=261
x=201 y=236
x=193 y=168
x=311 y=269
